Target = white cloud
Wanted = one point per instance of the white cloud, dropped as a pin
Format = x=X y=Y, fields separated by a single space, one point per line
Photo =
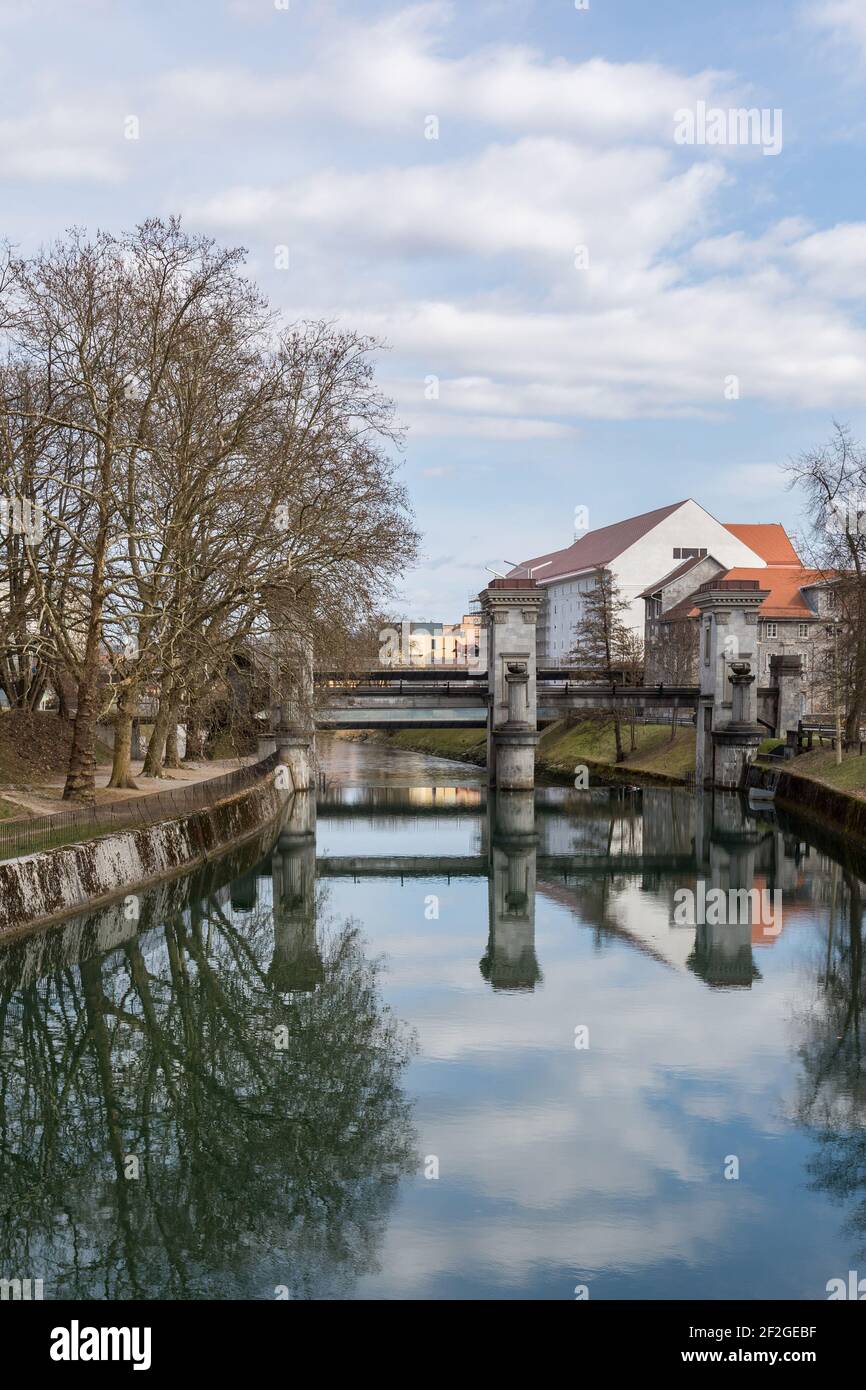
x=845 y=20
x=393 y=73
x=68 y=140
x=536 y=196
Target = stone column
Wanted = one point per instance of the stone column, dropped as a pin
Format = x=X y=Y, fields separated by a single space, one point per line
x=293 y=721
x=510 y=610
x=295 y=753
x=727 y=731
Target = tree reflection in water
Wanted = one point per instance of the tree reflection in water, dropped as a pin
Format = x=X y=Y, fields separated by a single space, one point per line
x=832 y=1100
x=270 y=1127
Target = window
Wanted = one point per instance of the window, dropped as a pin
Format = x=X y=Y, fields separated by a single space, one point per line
x=683 y=552
x=707 y=644
x=802 y=629
x=771 y=630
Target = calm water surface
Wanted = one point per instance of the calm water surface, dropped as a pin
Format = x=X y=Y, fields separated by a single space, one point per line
x=433 y=1043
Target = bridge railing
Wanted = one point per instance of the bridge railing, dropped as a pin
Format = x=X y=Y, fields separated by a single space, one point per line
x=87 y=822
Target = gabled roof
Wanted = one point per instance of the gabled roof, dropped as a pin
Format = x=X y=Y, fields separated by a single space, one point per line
x=769 y=540
x=596 y=548
x=674 y=574
x=680 y=611
x=784 y=600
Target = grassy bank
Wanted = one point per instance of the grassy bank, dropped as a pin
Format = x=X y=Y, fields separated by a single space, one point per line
x=592 y=742
x=464 y=745
x=565 y=745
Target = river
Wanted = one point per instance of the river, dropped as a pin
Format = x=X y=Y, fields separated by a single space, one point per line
x=450 y=1045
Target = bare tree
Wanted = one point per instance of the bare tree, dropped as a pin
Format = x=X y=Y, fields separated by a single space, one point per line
x=600 y=635
x=630 y=655
x=832 y=478
x=208 y=481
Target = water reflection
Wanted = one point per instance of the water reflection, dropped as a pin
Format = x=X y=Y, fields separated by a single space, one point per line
x=589 y=850
x=213 y=1108
x=249 y=1040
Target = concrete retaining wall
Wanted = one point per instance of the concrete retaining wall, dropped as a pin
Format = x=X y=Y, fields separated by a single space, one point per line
x=39 y=888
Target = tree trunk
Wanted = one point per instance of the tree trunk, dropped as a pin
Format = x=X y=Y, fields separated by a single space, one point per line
x=62 y=706
x=81 y=773
x=153 y=757
x=194 y=736
x=171 y=756
x=121 y=772
x=617 y=734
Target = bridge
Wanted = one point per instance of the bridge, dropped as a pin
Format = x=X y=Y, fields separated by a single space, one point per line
x=505 y=693
x=403 y=700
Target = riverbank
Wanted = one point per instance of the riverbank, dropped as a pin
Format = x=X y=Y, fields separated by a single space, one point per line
x=831 y=793
x=39 y=888
x=566 y=745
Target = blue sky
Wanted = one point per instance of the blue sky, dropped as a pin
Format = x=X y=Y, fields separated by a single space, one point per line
x=604 y=384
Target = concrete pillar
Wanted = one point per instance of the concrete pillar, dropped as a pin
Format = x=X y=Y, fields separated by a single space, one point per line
x=786 y=677
x=727 y=731
x=510 y=610
x=510 y=961
x=295 y=753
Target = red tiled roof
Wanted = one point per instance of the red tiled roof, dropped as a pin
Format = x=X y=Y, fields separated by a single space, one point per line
x=784 y=600
x=770 y=540
x=596 y=548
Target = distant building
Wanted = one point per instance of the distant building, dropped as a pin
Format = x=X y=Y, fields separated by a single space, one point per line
x=636 y=552
x=428 y=643
x=792 y=621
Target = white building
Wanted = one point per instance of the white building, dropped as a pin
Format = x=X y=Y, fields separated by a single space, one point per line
x=637 y=552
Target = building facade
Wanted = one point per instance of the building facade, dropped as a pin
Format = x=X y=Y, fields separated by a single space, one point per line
x=793 y=619
x=636 y=552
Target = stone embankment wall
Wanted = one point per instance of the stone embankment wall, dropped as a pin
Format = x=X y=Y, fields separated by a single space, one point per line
x=838 y=811
x=38 y=888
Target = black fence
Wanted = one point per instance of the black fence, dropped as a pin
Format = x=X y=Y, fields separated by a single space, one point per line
x=21 y=837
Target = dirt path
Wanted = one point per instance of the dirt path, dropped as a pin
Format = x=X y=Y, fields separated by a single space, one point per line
x=46 y=798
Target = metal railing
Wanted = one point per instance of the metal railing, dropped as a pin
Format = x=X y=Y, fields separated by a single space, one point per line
x=88 y=822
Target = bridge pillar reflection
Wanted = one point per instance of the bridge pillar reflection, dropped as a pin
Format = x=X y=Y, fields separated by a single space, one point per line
x=727 y=847
x=510 y=962
x=296 y=965
x=510 y=610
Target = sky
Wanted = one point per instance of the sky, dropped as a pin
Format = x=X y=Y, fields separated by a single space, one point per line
x=578 y=305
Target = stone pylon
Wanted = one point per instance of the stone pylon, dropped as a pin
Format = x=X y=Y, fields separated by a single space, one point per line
x=510 y=610
x=728 y=733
